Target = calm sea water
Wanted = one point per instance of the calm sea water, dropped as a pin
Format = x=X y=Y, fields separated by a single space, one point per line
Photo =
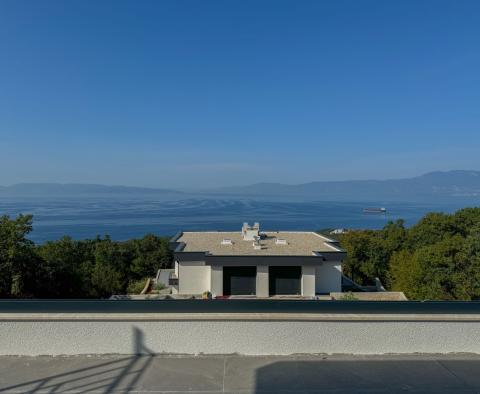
x=123 y=218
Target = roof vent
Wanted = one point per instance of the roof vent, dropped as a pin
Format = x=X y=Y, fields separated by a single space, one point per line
x=280 y=241
x=256 y=243
x=227 y=241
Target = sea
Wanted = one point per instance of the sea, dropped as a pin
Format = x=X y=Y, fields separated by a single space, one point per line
x=123 y=218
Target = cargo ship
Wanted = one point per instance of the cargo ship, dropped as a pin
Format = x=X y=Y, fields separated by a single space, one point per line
x=375 y=210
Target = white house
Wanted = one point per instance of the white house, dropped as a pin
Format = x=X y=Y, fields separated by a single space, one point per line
x=254 y=262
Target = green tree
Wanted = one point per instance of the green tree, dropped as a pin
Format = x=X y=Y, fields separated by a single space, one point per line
x=62 y=268
x=432 y=228
x=151 y=253
x=404 y=273
x=18 y=262
x=356 y=244
x=369 y=252
x=106 y=281
x=467 y=275
x=111 y=271
x=430 y=273
x=466 y=220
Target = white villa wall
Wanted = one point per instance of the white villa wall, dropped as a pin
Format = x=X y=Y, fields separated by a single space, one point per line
x=328 y=277
x=308 y=280
x=262 y=283
x=193 y=277
x=216 y=280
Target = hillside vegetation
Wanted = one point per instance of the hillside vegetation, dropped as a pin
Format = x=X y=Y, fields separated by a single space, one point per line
x=92 y=268
x=436 y=259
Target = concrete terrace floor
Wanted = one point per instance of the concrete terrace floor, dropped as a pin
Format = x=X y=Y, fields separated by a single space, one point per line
x=238 y=374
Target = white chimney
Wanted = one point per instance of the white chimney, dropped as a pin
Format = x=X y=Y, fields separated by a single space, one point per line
x=250 y=233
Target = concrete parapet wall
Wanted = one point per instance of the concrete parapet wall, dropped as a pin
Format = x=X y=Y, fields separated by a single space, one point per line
x=250 y=334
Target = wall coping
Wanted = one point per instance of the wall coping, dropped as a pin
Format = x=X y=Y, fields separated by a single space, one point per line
x=280 y=317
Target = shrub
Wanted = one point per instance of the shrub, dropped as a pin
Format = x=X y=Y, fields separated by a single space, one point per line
x=349 y=297
x=206 y=295
x=136 y=286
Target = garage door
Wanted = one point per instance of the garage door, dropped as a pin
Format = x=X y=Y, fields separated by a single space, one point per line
x=239 y=280
x=285 y=280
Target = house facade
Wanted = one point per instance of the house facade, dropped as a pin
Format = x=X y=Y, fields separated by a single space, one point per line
x=256 y=263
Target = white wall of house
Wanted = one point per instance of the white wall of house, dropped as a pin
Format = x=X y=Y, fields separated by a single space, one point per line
x=216 y=280
x=308 y=280
x=175 y=289
x=328 y=277
x=262 y=281
x=193 y=277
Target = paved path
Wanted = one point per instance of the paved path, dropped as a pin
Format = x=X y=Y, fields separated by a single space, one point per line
x=234 y=374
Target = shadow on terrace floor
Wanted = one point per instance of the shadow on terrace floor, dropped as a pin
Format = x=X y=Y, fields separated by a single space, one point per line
x=391 y=374
x=100 y=374
x=457 y=374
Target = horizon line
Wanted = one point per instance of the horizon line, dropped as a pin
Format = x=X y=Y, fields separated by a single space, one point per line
x=182 y=189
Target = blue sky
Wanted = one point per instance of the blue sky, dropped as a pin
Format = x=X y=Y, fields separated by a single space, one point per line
x=206 y=93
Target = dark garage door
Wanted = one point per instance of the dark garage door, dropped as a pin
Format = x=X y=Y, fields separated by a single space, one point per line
x=239 y=280
x=285 y=280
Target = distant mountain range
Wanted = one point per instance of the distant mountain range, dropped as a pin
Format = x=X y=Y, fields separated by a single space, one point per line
x=445 y=185
x=449 y=185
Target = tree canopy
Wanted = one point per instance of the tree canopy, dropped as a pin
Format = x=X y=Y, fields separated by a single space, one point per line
x=67 y=268
x=436 y=259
